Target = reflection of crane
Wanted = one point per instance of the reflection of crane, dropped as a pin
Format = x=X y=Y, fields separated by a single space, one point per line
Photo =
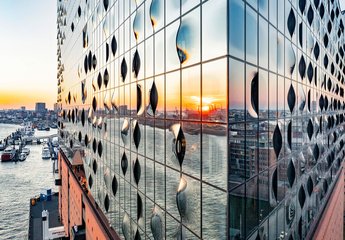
x=176 y=112
x=205 y=104
x=210 y=107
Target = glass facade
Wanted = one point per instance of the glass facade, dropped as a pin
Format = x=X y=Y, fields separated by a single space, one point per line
x=218 y=119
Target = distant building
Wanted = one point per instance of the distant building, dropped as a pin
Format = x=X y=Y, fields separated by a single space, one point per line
x=56 y=107
x=40 y=107
x=22 y=108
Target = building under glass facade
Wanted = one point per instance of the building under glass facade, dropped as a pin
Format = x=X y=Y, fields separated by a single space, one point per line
x=204 y=119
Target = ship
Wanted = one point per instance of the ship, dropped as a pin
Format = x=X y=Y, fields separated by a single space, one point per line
x=45 y=152
x=2 y=146
x=42 y=127
x=8 y=154
x=22 y=157
x=26 y=150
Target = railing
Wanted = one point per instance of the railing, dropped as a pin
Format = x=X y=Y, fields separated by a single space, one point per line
x=313 y=227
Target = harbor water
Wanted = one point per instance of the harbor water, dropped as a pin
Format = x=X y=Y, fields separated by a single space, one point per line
x=18 y=183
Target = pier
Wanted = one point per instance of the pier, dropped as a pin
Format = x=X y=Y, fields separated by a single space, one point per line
x=17 y=140
x=40 y=139
x=37 y=205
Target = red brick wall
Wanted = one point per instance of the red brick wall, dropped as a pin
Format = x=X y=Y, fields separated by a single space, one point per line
x=75 y=202
x=63 y=195
x=71 y=206
x=331 y=224
x=93 y=229
x=60 y=187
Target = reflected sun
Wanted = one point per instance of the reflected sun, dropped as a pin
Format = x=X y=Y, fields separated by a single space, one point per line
x=207 y=103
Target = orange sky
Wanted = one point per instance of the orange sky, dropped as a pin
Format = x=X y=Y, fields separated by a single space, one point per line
x=14 y=99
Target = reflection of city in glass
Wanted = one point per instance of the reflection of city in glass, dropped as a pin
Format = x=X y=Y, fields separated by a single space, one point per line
x=208 y=120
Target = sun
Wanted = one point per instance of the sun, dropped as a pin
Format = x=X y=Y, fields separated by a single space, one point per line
x=205 y=108
x=207 y=103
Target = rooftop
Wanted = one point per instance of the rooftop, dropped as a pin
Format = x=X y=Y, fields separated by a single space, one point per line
x=35 y=221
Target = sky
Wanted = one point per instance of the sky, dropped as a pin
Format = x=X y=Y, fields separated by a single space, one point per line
x=27 y=53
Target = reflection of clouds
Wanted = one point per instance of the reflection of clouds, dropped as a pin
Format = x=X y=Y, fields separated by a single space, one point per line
x=205 y=100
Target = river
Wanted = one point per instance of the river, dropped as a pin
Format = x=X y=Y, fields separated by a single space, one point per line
x=18 y=183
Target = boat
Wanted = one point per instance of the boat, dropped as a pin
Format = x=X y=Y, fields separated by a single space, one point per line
x=27 y=139
x=27 y=131
x=22 y=156
x=8 y=154
x=26 y=150
x=2 y=146
x=43 y=128
x=45 y=152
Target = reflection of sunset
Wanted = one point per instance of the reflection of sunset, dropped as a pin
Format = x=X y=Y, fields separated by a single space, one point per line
x=205 y=108
x=205 y=100
x=207 y=103
x=184 y=90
